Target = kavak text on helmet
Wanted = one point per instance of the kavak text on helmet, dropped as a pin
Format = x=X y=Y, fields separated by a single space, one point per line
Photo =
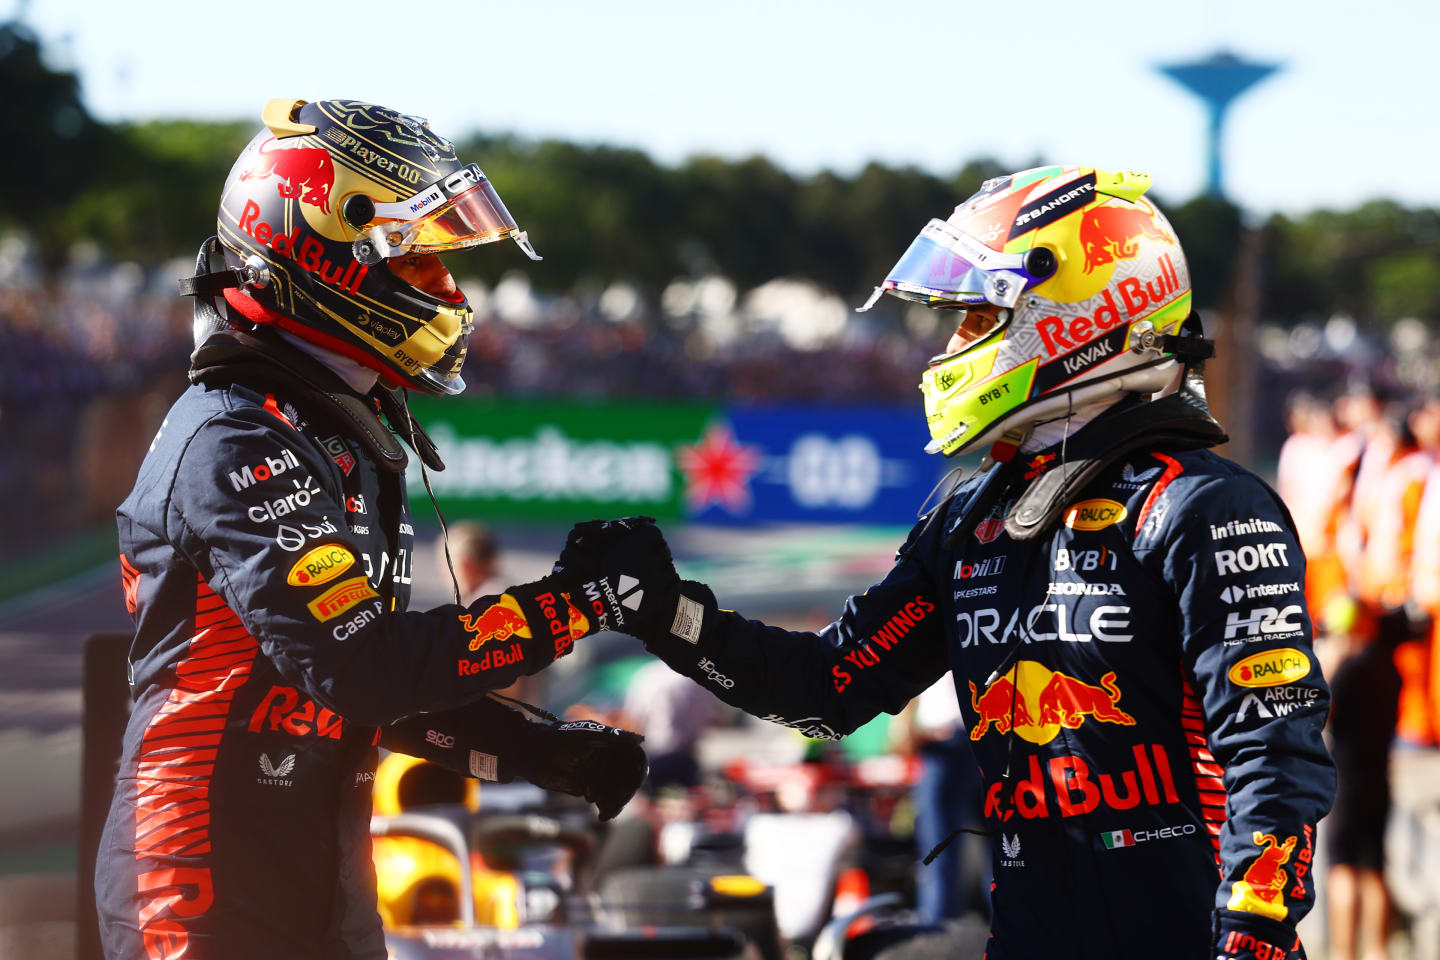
x=1089 y=284
x=317 y=203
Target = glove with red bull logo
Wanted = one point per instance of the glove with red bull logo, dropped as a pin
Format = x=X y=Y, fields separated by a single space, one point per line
x=1243 y=936
x=624 y=572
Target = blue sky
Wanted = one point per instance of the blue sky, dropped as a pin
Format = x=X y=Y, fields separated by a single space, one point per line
x=815 y=85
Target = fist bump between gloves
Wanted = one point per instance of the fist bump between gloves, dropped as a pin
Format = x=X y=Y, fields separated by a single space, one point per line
x=626 y=574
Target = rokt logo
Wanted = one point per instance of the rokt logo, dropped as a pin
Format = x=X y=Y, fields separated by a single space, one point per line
x=1251 y=558
x=1041 y=701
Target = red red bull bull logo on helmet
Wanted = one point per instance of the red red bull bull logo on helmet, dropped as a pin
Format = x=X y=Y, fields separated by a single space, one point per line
x=1037 y=702
x=304 y=173
x=499 y=621
x=1108 y=233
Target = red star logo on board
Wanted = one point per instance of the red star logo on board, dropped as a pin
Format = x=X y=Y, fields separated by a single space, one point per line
x=718 y=470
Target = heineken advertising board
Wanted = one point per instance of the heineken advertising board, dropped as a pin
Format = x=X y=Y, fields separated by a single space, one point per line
x=572 y=461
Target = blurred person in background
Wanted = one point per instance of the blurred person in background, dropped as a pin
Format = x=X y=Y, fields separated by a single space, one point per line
x=475 y=554
x=1314 y=477
x=1123 y=610
x=947 y=800
x=266 y=556
x=1413 y=846
x=1385 y=576
x=1360 y=411
x=662 y=706
x=1365 y=693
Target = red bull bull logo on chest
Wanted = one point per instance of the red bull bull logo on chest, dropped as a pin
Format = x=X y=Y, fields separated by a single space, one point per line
x=1039 y=702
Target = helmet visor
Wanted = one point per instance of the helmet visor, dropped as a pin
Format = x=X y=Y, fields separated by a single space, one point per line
x=463 y=210
x=944 y=265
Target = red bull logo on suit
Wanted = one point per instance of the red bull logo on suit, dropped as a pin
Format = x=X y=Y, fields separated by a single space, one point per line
x=1039 y=702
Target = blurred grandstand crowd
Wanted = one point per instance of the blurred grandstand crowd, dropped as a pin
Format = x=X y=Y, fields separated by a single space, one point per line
x=90 y=361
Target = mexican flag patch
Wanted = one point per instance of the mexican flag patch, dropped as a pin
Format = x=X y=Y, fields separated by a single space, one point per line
x=1118 y=838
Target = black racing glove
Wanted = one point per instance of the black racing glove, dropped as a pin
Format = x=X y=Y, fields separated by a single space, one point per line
x=1248 y=936
x=623 y=571
x=605 y=765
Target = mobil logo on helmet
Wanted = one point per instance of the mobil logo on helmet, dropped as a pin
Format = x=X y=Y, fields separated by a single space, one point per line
x=1037 y=702
x=306 y=173
x=1108 y=233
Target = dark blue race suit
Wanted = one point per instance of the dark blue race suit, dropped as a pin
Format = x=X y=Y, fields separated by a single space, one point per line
x=267 y=563
x=1158 y=706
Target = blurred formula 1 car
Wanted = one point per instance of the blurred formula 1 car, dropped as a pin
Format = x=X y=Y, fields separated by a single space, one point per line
x=513 y=880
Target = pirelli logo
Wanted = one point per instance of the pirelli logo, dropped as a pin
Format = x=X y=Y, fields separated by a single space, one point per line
x=340 y=598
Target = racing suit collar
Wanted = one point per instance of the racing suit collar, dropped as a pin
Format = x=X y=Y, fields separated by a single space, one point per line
x=357 y=376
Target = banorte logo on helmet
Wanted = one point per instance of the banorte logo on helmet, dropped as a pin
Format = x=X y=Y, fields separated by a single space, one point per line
x=306 y=173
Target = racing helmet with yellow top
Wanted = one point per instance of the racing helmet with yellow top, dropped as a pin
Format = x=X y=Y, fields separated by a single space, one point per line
x=319 y=203
x=1069 y=287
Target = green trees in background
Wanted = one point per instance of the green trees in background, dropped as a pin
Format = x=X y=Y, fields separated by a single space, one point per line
x=148 y=192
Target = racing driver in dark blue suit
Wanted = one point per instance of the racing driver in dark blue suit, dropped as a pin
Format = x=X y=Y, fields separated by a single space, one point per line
x=1122 y=608
x=267 y=552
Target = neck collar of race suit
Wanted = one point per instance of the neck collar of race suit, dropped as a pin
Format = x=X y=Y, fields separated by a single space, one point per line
x=261 y=359
x=257 y=313
x=357 y=376
x=1052 y=433
x=1044 y=484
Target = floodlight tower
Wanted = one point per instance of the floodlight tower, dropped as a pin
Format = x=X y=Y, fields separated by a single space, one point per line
x=1217 y=80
